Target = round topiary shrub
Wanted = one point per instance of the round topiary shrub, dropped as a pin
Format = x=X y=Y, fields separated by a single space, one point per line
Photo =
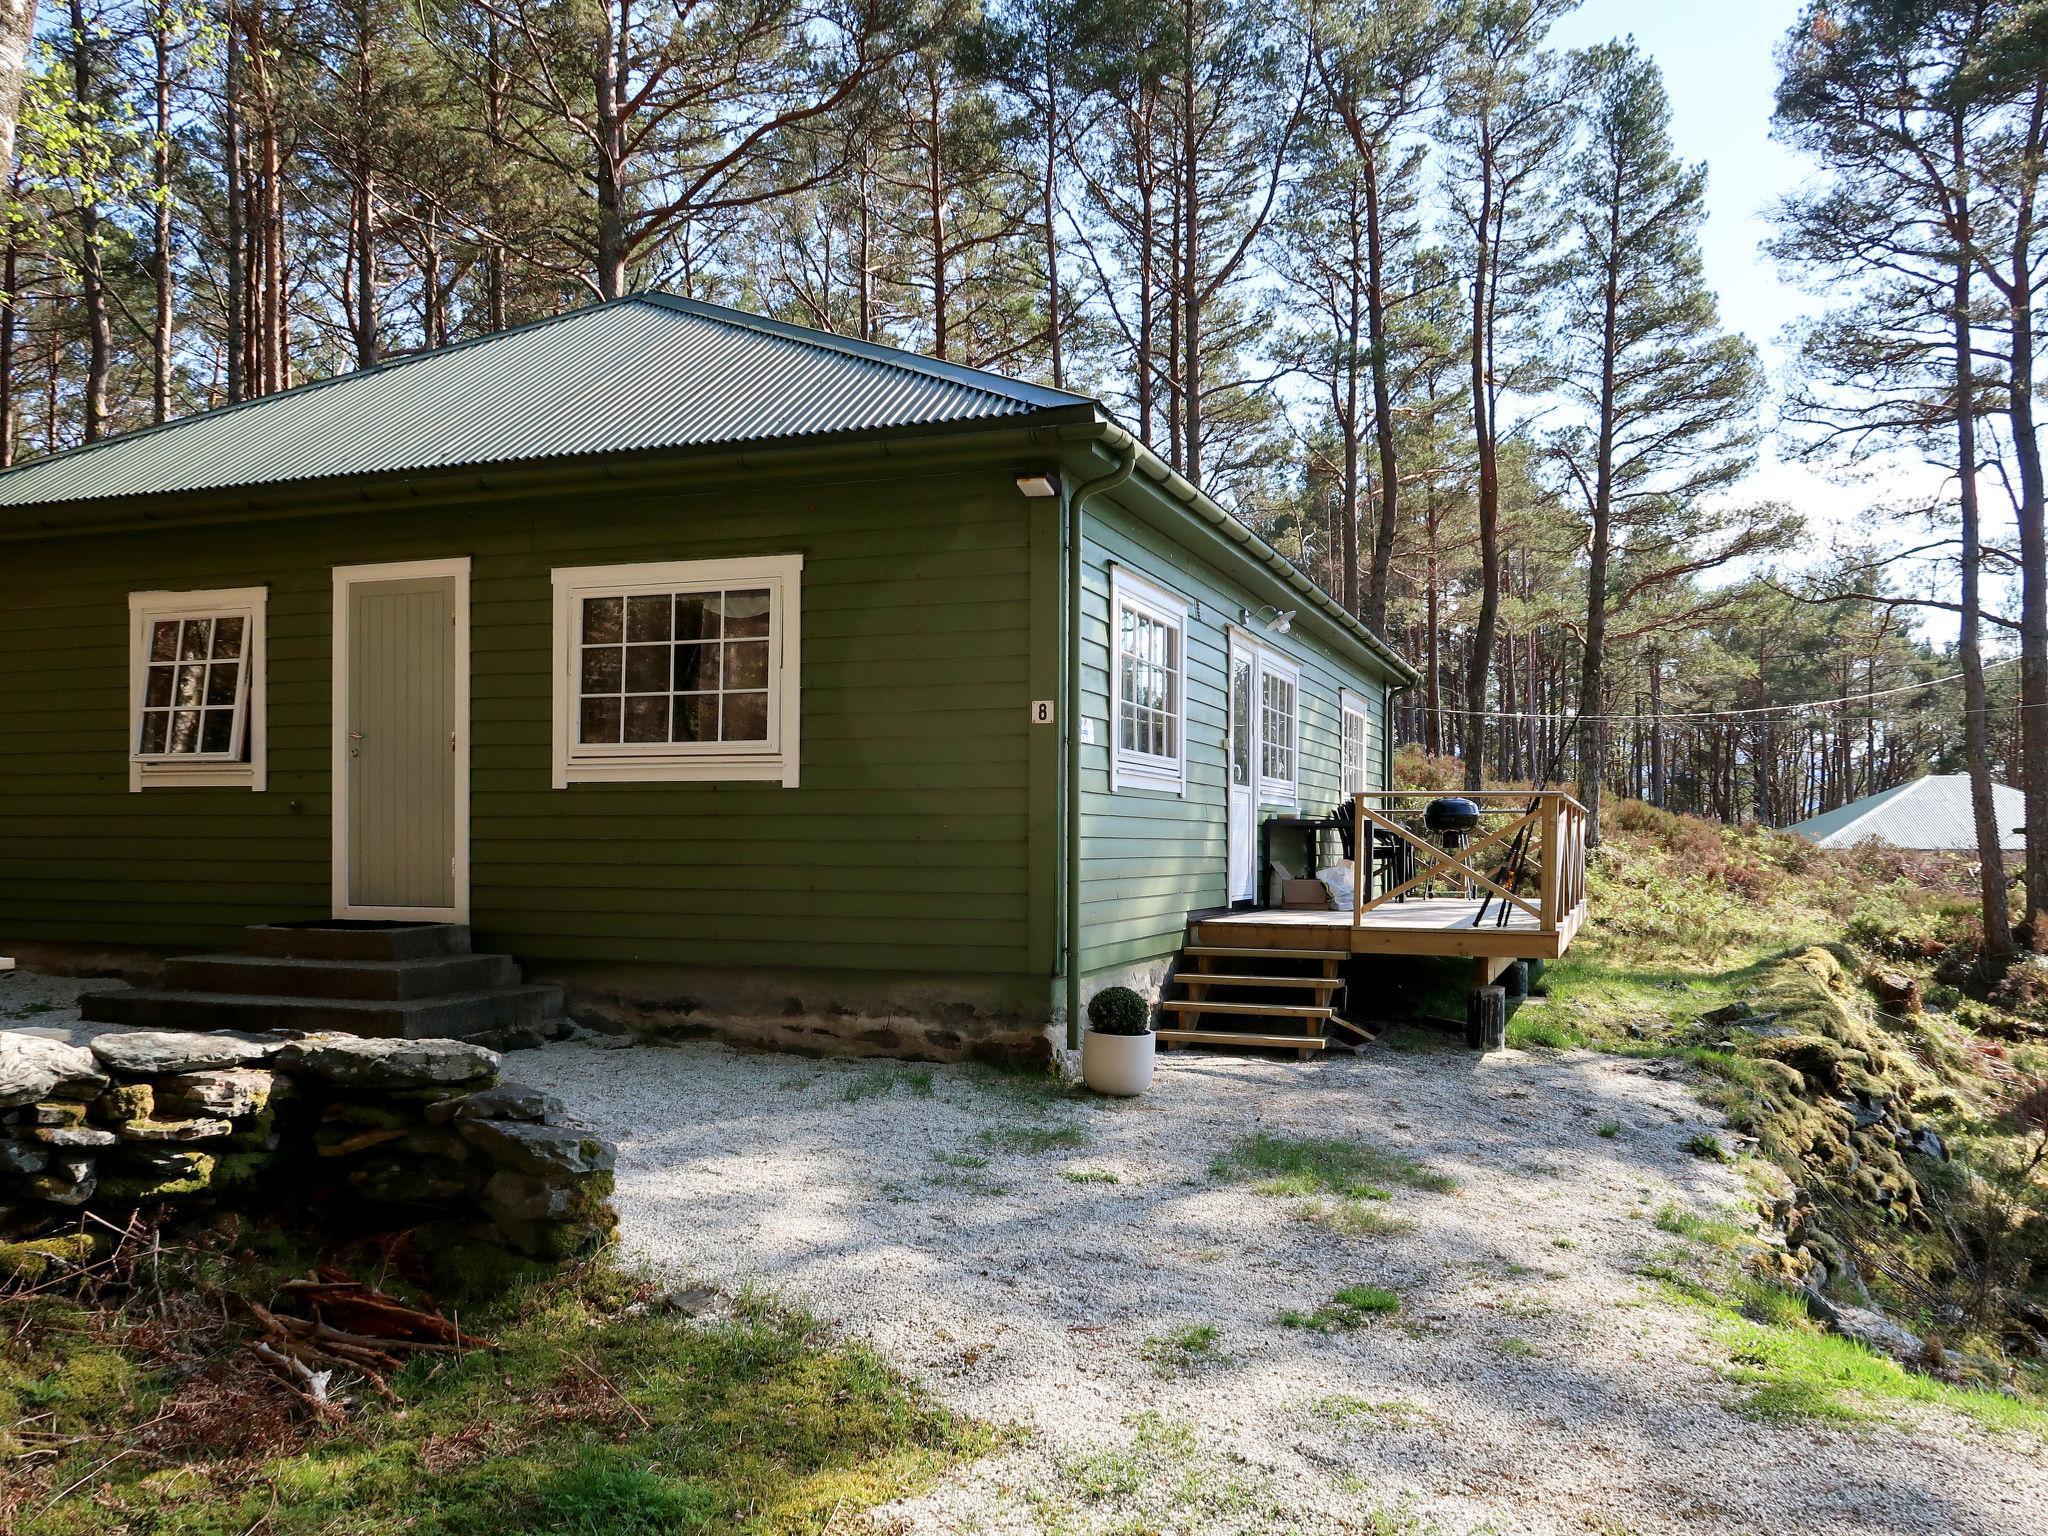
x=1119 y=1011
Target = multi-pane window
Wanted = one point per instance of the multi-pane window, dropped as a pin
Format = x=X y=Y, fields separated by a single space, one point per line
x=1277 y=706
x=195 y=679
x=687 y=666
x=678 y=670
x=194 y=693
x=1148 y=671
x=1355 y=737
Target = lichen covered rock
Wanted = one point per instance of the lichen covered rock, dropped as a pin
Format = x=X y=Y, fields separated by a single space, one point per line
x=164 y=1052
x=32 y=1068
x=350 y=1062
x=545 y=1150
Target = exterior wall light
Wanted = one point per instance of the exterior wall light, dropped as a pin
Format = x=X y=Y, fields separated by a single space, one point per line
x=1038 y=485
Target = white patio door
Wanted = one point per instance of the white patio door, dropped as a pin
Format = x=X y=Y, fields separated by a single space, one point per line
x=1243 y=814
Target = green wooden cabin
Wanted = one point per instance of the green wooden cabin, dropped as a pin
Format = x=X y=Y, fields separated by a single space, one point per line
x=720 y=671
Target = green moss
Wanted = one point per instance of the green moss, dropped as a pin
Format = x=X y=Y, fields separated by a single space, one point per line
x=37 y=1258
x=198 y=1177
x=125 y=1101
x=594 y=1416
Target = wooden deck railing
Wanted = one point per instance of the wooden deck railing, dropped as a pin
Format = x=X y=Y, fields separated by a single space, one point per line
x=1528 y=852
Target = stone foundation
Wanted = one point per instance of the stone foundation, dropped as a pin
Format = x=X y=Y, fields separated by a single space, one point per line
x=374 y=1130
x=816 y=1013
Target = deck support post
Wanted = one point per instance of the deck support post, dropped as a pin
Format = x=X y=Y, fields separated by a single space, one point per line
x=1486 y=1018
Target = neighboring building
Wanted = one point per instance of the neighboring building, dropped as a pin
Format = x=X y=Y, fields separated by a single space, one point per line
x=715 y=669
x=1931 y=812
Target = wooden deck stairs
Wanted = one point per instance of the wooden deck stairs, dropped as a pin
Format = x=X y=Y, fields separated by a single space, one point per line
x=1260 y=999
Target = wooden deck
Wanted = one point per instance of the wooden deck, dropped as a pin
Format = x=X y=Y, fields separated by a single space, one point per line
x=1430 y=925
x=1533 y=840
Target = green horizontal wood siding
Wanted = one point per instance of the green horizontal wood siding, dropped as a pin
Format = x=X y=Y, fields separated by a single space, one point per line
x=1149 y=857
x=905 y=846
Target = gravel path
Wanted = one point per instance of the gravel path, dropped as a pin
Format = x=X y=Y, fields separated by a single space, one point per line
x=1531 y=1383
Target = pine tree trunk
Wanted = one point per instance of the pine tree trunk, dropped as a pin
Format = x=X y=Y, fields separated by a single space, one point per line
x=92 y=283
x=163 y=316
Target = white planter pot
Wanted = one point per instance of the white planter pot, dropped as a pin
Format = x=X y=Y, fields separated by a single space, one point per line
x=1117 y=1064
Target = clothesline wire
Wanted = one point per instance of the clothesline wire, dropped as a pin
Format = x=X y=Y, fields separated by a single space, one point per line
x=1668 y=717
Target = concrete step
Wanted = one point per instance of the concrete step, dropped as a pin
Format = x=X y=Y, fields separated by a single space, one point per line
x=442 y=1018
x=352 y=939
x=374 y=980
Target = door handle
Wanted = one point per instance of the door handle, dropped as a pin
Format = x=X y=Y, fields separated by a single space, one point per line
x=355 y=735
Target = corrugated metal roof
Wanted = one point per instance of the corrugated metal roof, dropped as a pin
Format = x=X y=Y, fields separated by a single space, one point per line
x=646 y=371
x=1931 y=812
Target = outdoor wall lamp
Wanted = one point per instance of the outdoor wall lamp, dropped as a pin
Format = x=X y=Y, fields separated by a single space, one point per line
x=1038 y=484
x=1280 y=621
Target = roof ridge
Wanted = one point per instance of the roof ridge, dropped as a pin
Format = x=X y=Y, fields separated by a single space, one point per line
x=984 y=379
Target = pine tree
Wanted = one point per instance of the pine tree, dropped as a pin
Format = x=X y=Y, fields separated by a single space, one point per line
x=1669 y=398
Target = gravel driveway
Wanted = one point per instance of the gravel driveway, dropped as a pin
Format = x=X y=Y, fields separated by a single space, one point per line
x=1094 y=1285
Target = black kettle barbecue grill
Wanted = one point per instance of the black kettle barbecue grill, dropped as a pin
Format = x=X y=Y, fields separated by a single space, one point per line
x=1451 y=818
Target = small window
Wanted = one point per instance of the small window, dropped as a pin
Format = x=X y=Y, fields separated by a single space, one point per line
x=1279 y=722
x=1357 y=739
x=679 y=670
x=1148 y=670
x=195 y=683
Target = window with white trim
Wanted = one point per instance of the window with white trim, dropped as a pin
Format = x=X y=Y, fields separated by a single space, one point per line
x=677 y=670
x=1357 y=740
x=1148 y=671
x=1279 y=730
x=195 y=689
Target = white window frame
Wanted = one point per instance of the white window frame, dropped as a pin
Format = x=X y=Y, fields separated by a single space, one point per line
x=1144 y=770
x=776 y=759
x=1273 y=791
x=245 y=765
x=1352 y=705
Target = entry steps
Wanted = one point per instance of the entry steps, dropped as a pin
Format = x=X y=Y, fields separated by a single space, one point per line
x=1269 y=999
x=406 y=980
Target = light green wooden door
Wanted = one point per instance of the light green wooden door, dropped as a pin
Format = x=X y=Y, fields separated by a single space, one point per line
x=401 y=734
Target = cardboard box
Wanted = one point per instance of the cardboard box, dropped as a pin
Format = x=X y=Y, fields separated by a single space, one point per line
x=1312 y=894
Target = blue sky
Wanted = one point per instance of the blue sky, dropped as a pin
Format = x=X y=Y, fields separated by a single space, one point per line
x=1719 y=68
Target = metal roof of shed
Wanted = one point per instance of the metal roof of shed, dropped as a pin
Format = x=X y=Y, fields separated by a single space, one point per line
x=647 y=371
x=1931 y=812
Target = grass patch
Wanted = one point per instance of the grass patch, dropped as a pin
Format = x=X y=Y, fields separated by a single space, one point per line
x=1609 y=1129
x=1091 y=1176
x=1515 y=1348
x=1183 y=1349
x=1351 y=1307
x=1707 y=1146
x=1796 y=1370
x=1715 y=1231
x=869 y=1085
x=1379 y=1413
x=960 y=1159
x=1354 y=1218
x=1027 y=1090
x=599 y=1413
x=1551 y=1034
x=921 y=1081
x=1030 y=1139
x=1350 y=1170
